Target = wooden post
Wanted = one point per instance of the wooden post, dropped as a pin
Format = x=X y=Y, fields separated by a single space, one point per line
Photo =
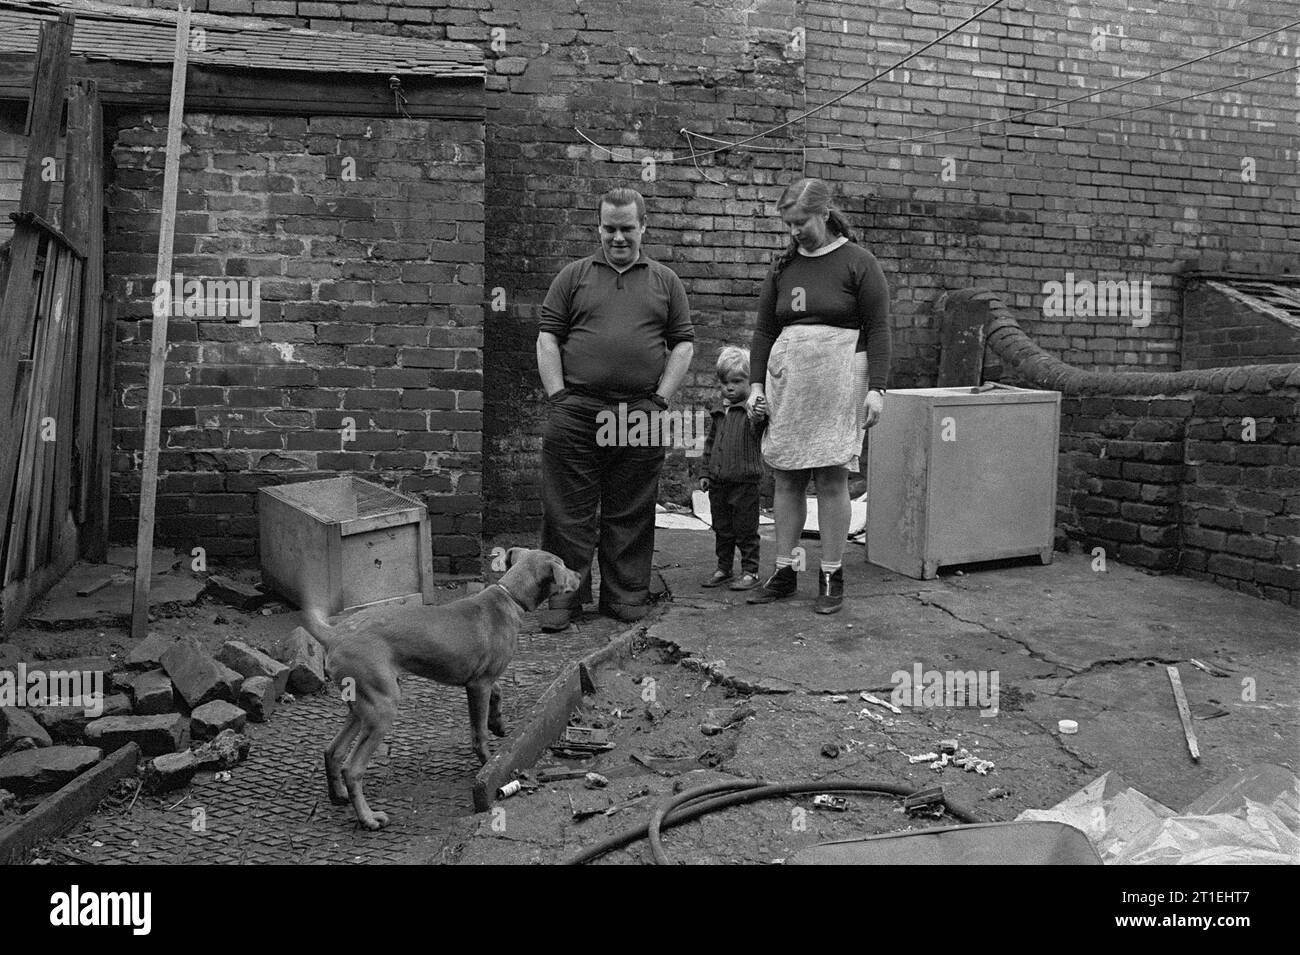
x=158 y=349
x=83 y=203
x=44 y=118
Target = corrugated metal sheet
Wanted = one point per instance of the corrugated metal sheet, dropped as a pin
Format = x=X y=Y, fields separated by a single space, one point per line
x=124 y=34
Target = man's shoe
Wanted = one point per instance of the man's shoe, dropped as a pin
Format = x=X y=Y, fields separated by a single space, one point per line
x=627 y=613
x=830 y=591
x=745 y=582
x=780 y=585
x=556 y=619
x=719 y=577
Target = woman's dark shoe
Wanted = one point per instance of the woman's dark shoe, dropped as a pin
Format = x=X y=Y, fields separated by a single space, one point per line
x=830 y=591
x=719 y=577
x=780 y=585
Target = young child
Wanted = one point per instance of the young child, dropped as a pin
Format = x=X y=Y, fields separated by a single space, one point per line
x=733 y=466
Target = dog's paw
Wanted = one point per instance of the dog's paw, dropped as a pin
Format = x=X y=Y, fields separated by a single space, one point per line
x=498 y=728
x=376 y=821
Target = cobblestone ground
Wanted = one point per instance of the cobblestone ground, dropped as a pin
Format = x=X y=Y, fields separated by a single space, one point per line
x=274 y=808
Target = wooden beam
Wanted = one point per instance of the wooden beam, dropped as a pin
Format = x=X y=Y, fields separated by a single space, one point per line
x=95 y=532
x=83 y=218
x=60 y=495
x=1184 y=712
x=145 y=86
x=158 y=349
x=31 y=450
x=16 y=306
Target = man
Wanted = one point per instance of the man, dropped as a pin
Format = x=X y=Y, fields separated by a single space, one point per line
x=615 y=329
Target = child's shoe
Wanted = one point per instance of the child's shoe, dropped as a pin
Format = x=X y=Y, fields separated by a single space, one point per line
x=745 y=582
x=719 y=578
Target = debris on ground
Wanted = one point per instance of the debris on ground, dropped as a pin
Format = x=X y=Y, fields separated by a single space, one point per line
x=1250 y=818
x=879 y=702
x=830 y=802
x=926 y=803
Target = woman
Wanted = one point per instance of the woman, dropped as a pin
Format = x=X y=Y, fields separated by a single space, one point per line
x=820 y=359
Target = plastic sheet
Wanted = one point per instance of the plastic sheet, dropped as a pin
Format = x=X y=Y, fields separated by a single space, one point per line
x=1250 y=818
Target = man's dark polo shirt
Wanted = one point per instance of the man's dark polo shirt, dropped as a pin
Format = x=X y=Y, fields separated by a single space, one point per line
x=616 y=329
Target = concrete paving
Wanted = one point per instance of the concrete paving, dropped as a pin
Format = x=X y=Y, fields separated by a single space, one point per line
x=1066 y=642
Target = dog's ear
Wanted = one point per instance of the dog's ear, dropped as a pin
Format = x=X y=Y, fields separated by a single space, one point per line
x=514 y=554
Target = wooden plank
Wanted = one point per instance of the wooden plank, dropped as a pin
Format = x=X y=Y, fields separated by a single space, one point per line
x=961 y=348
x=95 y=532
x=27 y=490
x=66 y=808
x=158 y=349
x=83 y=218
x=141 y=86
x=67 y=414
x=48 y=227
x=23 y=409
x=46 y=404
x=46 y=112
x=1184 y=712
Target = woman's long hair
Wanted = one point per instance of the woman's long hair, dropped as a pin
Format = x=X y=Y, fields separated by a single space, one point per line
x=814 y=197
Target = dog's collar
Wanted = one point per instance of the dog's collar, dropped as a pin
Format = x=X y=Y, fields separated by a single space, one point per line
x=517 y=601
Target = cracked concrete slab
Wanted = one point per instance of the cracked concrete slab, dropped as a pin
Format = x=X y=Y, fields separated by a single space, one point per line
x=1068 y=642
x=110 y=605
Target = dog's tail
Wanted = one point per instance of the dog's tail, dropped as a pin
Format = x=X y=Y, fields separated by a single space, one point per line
x=315 y=624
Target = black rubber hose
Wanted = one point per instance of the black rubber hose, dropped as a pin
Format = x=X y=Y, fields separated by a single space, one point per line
x=692 y=804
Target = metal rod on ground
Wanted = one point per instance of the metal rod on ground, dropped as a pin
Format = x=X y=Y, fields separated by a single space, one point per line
x=1184 y=713
x=158 y=347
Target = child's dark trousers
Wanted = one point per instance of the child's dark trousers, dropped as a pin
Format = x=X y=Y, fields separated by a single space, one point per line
x=734 y=505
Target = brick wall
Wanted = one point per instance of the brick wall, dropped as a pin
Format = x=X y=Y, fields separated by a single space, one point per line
x=1194 y=471
x=1137 y=196
x=370 y=310
x=13 y=156
x=630 y=76
x=1221 y=331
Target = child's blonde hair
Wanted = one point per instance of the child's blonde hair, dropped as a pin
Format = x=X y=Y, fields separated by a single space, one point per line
x=732 y=359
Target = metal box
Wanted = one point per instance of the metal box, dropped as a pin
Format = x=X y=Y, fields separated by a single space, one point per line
x=343 y=543
x=956 y=475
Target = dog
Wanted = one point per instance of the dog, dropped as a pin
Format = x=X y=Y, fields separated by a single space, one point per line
x=468 y=643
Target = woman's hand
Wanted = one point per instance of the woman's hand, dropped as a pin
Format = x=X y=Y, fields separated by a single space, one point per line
x=872 y=406
x=705 y=483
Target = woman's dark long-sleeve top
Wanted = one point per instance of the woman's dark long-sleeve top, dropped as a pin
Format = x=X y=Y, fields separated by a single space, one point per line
x=845 y=288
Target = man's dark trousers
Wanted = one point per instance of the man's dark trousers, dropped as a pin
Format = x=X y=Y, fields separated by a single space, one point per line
x=733 y=508
x=578 y=478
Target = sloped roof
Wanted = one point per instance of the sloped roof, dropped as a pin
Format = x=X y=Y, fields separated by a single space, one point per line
x=133 y=35
x=1279 y=298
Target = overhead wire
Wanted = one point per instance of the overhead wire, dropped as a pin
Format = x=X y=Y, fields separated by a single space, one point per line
x=894 y=141
x=891 y=141
x=830 y=102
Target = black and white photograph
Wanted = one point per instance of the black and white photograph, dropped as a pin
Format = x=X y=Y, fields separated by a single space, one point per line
x=649 y=432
